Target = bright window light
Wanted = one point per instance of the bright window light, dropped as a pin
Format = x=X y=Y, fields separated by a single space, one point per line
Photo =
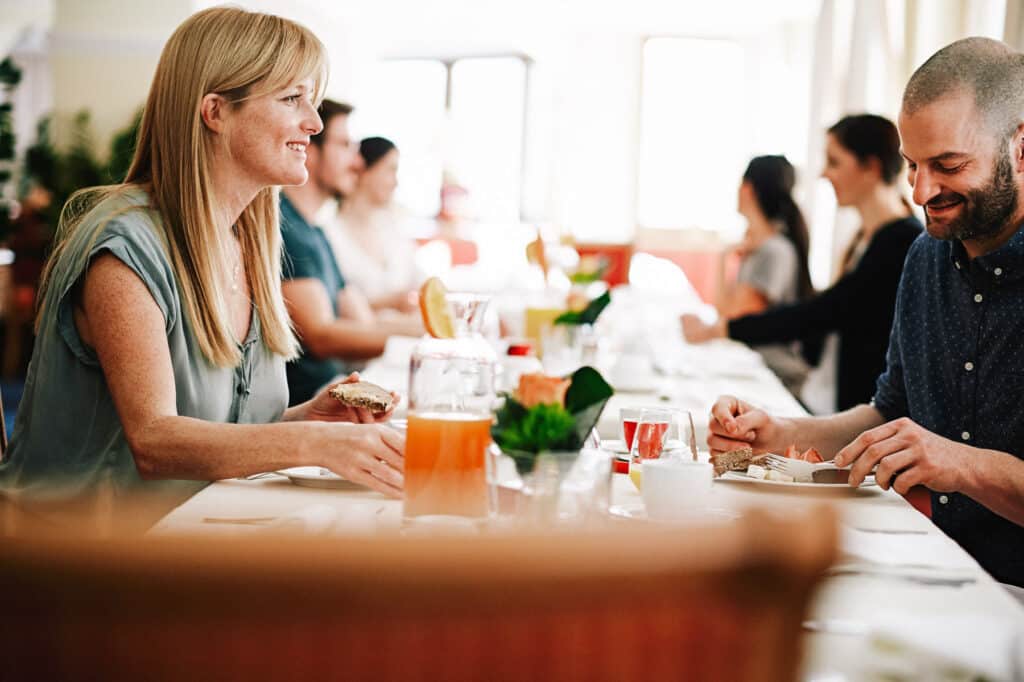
x=487 y=113
x=407 y=106
x=692 y=146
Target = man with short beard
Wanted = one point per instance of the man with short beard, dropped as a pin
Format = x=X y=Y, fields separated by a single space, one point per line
x=947 y=413
x=334 y=322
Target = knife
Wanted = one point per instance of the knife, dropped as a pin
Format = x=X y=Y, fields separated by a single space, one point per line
x=830 y=475
x=693 y=437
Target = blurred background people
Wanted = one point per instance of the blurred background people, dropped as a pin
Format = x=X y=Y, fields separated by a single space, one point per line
x=335 y=324
x=373 y=252
x=863 y=163
x=773 y=268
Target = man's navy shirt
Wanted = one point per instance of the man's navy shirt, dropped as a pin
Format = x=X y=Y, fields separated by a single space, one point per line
x=955 y=366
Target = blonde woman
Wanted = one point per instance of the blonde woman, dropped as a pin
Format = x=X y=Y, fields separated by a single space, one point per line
x=162 y=335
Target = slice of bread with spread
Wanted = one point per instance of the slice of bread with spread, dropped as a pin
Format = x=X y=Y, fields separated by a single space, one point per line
x=363 y=394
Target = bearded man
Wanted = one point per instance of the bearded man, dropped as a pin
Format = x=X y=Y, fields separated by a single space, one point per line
x=947 y=412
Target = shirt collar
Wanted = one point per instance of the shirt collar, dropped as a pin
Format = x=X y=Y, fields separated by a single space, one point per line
x=1005 y=263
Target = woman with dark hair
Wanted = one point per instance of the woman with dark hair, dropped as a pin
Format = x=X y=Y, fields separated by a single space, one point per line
x=863 y=162
x=373 y=252
x=773 y=267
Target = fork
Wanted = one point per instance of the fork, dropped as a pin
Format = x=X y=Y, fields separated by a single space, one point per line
x=797 y=468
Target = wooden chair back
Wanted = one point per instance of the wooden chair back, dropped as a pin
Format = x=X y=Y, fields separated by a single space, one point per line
x=696 y=604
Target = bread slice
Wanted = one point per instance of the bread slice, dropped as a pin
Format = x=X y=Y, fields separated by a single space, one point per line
x=363 y=394
x=733 y=460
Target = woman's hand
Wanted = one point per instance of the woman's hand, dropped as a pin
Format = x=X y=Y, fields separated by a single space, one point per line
x=696 y=331
x=369 y=454
x=325 y=407
x=735 y=423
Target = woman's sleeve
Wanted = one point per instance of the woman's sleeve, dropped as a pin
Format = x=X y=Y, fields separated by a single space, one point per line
x=133 y=242
x=849 y=302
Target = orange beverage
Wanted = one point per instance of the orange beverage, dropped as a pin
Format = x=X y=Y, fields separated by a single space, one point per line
x=445 y=464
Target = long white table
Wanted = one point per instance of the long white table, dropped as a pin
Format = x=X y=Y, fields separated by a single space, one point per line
x=876 y=614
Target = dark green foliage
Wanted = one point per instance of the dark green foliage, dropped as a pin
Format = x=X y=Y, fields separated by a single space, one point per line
x=523 y=433
x=589 y=314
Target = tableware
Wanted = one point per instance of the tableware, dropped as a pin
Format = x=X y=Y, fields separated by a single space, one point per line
x=451 y=393
x=675 y=488
x=619 y=446
x=741 y=477
x=316 y=477
x=655 y=430
x=635 y=511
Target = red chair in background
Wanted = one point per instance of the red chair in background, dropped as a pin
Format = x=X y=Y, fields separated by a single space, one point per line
x=618 y=256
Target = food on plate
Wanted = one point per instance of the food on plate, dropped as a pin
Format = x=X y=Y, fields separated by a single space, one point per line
x=735 y=460
x=757 y=471
x=809 y=455
x=743 y=459
x=363 y=394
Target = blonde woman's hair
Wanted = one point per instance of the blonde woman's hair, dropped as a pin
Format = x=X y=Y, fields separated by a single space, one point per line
x=239 y=55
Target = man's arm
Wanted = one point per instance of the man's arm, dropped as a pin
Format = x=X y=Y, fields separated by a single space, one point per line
x=735 y=423
x=906 y=454
x=324 y=335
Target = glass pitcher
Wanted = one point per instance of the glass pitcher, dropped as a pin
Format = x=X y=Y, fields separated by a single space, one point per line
x=451 y=395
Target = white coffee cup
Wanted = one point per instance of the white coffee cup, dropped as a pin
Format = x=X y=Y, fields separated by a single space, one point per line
x=675 y=489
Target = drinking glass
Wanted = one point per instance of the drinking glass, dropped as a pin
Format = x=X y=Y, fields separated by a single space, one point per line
x=659 y=432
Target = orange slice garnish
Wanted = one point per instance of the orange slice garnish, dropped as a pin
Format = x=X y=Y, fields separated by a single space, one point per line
x=437 y=316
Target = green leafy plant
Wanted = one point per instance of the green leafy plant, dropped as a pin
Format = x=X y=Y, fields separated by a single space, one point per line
x=591 y=269
x=589 y=314
x=63 y=172
x=10 y=76
x=525 y=432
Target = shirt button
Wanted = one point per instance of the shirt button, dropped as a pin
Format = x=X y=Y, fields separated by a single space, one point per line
x=943 y=499
x=998 y=271
x=966 y=435
x=957 y=264
x=978 y=298
x=968 y=365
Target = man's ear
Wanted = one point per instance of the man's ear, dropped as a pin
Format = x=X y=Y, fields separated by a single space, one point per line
x=214 y=109
x=1018 y=148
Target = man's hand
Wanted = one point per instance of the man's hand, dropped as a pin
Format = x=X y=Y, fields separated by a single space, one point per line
x=906 y=455
x=735 y=423
x=696 y=331
x=325 y=407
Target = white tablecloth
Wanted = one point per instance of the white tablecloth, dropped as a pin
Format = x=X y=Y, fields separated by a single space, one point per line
x=873 y=617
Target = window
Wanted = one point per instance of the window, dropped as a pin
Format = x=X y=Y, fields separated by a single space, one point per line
x=463 y=117
x=692 y=142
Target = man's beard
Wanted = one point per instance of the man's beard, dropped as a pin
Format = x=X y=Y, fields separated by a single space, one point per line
x=987 y=210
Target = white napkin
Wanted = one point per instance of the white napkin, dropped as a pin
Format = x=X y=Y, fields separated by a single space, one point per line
x=911 y=551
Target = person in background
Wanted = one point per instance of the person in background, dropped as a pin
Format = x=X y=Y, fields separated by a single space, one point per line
x=863 y=163
x=373 y=253
x=773 y=266
x=159 y=364
x=946 y=414
x=336 y=325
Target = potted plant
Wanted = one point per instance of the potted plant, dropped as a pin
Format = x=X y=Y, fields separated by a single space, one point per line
x=543 y=426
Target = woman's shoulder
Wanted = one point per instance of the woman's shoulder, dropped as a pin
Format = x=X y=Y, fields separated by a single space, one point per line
x=776 y=248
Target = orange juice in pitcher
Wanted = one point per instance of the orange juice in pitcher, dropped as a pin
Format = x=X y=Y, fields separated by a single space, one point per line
x=445 y=467
x=451 y=394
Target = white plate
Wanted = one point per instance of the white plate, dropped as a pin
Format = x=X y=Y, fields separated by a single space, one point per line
x=315 y=477
x=635 y=511
x=741 y=477
x=618 y=446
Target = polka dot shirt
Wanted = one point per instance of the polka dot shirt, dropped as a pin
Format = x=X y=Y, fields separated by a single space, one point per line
x=955 y=365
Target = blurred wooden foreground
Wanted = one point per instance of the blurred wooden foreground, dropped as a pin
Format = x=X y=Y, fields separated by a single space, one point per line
x=696 y=604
